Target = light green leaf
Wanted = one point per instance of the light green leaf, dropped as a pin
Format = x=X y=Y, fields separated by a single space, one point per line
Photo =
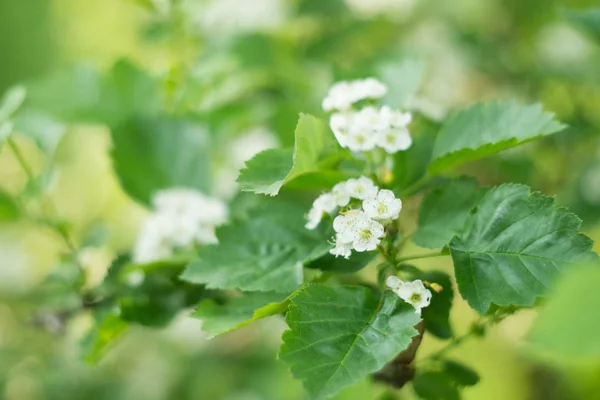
x=45 y=130
x=268 y=171
x=437 y=314
x=568 y=325
x=444 y=211
x=9 y=209
x=263 y=253
x=239 y=312
x=108 y=329
x=156 y=153
x=433 y=385
x=11 y=101
x=338 y=335
x=588 y=20
x=403 y=78
x=514 y=246
x=487 y=128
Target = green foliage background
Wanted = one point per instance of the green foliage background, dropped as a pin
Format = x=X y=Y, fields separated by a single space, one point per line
x=464 y=50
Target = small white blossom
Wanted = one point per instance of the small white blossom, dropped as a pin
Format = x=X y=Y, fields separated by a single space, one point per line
x=182 y=219
x=314 y=216
x=393 y=140
x=394 y=118
x=415 y=294
x=340 y=124
x=342 y=250
x=345 y=226
x=384 y=206
x=359 y=140
x=368 y=235
x=340 y=194
x=394 y=283
x=343 y=94
x=362 y=188
x=325 y=202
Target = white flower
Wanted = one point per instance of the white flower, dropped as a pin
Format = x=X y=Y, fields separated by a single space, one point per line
x=384 y=206
x=315 y=215
x=360 y=140
x=325 y=202
x=394 y=283
x=368 y=234
x=362 y=188
x=394 y=118
x=345 y=226
x=340 y=124
x=393 y=140
x=343 y=94
x=340 y=194
x=371 y=119
x=415 y=294
x=183 y=218
x=342 y=250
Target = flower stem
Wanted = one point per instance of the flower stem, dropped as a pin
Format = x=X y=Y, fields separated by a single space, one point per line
x=416 y=187
x=62 y=232
x=420 y=256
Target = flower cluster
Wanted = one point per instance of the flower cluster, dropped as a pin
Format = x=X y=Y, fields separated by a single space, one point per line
x=182 y=219
x=370 y=127
x=359 y=228
x=414 y=293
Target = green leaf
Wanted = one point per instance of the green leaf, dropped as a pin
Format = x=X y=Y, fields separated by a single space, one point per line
x=410 y=166
x=338 y=335
x=435 y=386
x=156 y=153
x=221 y=318
x=588 y=20
x=568 y=325
x=108 y=329
x=444 y=211
x=487 y=128
x=11 y=101
x=330 y=263
x=263 y=253
x=9 y=209
x=437 y=314
x=268 y=171
x=514 y=246
x=461 y=374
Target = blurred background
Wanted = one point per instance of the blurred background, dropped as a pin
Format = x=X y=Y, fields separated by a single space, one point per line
x=243 y=70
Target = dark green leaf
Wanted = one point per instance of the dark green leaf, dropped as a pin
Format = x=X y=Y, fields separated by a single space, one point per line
x=444 y=211
x=330 y=263
x=437 y=314
x=435 y=386
x=338 y=335
x=514 y=246
x=410 y=166
x=221 y=318
x=263 y=253
x=568 y=325
x=487 y=128
x=156 y=153
x=268 y=171
x=461 y=374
